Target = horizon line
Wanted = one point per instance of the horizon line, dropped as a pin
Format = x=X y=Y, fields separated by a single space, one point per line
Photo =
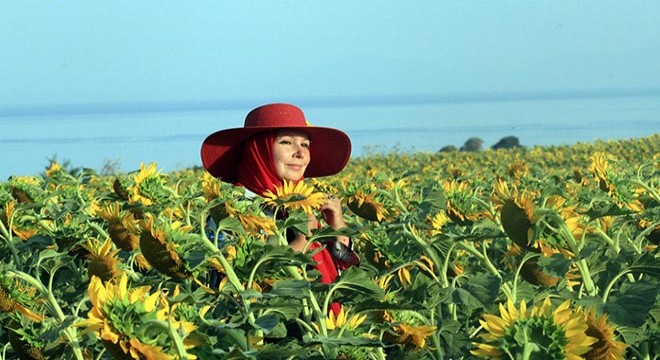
x=109 y=108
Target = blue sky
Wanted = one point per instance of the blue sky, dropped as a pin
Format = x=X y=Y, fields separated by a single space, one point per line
x=85 y=59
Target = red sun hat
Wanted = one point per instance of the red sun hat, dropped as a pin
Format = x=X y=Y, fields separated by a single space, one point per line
x=329 y=151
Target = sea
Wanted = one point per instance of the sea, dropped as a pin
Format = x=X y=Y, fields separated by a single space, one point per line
x=121 y=138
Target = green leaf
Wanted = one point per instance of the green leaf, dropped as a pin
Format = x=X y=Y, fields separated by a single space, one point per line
x=344 y=340
x=555 y=265
x=631 y=305
x=231 y=224
x=482 y=287
x=290 y=288
x=267 y=322
x=357 y=280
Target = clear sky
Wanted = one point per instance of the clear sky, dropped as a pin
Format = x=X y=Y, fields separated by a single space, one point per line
x=86 y=59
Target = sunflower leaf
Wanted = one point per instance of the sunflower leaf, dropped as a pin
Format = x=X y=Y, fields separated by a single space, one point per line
x=632 y=303
x=555 y=265
x=267 y=322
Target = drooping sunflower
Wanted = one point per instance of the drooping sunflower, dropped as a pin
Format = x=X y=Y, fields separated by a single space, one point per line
x=558 y=334
x=26 y=189
x=22 y=229
x=438 y=221
x=103 y=260
x=607 y=347
x=26 y=344
x=120 y=315
x=294 y=196
x=414 y=334
x=13 y=297
x=122 y=226
x=365 y=205
x=600 y=167
x=159 y=248
x=516 y=213
x=252 y=219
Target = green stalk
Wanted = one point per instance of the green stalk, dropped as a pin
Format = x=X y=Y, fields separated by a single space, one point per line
x=483 y=258
x=613 y=244
x=9 y=239
x=650 y=190
x=70 y=331
x=586 y=277
x=178 y=342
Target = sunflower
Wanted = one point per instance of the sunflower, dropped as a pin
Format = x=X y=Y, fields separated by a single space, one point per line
x=518 y=168
x=14 y=298
x=20 y=229
x=295 y=196
x=558 y=334
x=342 y=320
x=607 y=347
x=148 y=185
x=438 y=221
x=516 y=213
x=26 y=346
x=25 y=189
x=600 y=168
x=158 y=247
x=414 y=334
x=119 y=317
x=122 y=226
x=253 y=224
x=120 y=190
x=367 y=206
x=210 y=186
x=103 y=260
x=53 y=169
x=461 y=207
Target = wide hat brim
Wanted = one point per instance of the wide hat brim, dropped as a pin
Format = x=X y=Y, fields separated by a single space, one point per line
x=330 y=150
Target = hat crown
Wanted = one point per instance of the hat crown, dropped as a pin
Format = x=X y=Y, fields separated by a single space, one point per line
x=276 y=115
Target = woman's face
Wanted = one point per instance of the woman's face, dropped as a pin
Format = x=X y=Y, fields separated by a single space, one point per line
x=291 y=154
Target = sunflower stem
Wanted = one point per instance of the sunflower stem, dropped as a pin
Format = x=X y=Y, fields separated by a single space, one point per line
x=586 y=277
x=9 y=239
x=178 y=342
x=646 y=187
x=613 y=244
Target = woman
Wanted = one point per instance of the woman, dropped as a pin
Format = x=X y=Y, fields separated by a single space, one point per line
x=277 y=143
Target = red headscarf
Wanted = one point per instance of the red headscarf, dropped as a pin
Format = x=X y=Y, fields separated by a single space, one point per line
x=256 y=171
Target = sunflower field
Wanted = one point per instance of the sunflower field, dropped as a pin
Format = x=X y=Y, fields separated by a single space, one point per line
x=525 y=253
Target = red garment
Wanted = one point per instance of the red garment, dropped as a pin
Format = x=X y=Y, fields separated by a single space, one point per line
x=326 y=265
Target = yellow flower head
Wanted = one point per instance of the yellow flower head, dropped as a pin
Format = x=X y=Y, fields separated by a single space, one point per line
x=160 y=251
x=607 y=347
x=561 y=332
x=414 y=335
x=146 y=182
x=294 y=196
x=118 y=312
x=103 y=260
x=367 y=206
x=342 y=320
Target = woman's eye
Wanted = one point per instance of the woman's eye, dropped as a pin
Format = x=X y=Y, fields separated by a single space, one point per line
x=306 y=145
x=285 y=142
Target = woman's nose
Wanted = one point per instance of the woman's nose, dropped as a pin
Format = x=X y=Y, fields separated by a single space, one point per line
x=300 y=151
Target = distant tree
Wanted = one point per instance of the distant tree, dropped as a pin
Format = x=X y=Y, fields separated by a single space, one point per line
x=507 y=142
x=449 y=148
x=472 y=144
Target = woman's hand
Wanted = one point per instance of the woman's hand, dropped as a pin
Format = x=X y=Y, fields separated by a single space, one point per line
x=334 y=216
